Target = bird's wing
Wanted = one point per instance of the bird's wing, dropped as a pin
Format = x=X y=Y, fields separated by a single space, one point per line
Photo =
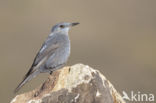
x=46 y=50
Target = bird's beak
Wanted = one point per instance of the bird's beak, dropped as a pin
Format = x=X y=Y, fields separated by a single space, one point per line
x=73 y=24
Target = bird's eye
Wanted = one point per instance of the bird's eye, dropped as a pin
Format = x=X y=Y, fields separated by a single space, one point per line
x=61 y=26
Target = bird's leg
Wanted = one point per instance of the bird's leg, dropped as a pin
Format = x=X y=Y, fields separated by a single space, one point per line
x=51 y=72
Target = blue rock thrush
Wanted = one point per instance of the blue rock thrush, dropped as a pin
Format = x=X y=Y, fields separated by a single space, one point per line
x=53 y=54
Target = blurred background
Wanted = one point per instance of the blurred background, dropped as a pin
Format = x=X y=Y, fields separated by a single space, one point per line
x=118 y=37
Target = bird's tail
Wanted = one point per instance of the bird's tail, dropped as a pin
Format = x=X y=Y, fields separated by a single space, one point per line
x=26 y=79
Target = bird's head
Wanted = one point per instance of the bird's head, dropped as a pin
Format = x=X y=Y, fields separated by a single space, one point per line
x=63 y=27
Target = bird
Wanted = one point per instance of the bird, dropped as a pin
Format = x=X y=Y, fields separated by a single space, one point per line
x=53 y=54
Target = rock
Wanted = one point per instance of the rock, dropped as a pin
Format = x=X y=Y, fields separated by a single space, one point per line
x=75 y=84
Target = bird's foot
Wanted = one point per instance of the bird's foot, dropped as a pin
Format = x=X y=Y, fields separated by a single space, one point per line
x=51 y=72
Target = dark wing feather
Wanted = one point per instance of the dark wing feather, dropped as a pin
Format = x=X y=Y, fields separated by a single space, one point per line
x=46 y=50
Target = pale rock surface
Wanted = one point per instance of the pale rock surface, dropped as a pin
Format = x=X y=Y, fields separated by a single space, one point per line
x=76 y=84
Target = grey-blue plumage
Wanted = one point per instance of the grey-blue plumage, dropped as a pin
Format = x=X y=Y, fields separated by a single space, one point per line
x=53 y=54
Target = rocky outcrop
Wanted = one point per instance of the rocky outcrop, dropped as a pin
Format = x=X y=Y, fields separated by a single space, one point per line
x=75 y=84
